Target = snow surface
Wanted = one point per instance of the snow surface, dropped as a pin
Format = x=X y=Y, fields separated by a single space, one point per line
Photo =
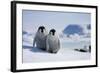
x=66 y=53
x=36 y=55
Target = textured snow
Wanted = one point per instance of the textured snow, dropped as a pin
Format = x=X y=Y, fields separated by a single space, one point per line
x=36 y=55
x=66 y=53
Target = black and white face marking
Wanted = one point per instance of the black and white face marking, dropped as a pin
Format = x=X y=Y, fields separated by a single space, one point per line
x=41 y=29
x=52 y=31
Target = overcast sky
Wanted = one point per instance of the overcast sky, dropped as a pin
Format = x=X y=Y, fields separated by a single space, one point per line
x=57 y=20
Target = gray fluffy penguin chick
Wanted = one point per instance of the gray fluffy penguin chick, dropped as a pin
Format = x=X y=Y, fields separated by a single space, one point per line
x=40 y=38
x=52 y=42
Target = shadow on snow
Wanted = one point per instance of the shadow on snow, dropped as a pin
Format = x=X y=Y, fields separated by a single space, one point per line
x=34 y=49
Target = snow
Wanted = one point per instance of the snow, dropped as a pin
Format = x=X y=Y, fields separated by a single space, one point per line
x=66 y=53
x=36 y=55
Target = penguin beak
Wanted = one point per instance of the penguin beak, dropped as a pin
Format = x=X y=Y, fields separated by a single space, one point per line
x=53 y=33
x=42 y=30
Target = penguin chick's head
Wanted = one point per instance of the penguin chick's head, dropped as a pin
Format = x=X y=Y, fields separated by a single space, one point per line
x=41 y=29
x=52 y=31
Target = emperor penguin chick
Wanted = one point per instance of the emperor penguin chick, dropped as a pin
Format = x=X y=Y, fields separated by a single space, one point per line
x=52 y=42
x=40 y=38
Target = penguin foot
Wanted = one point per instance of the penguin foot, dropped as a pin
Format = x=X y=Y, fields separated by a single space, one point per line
x=52 y=52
